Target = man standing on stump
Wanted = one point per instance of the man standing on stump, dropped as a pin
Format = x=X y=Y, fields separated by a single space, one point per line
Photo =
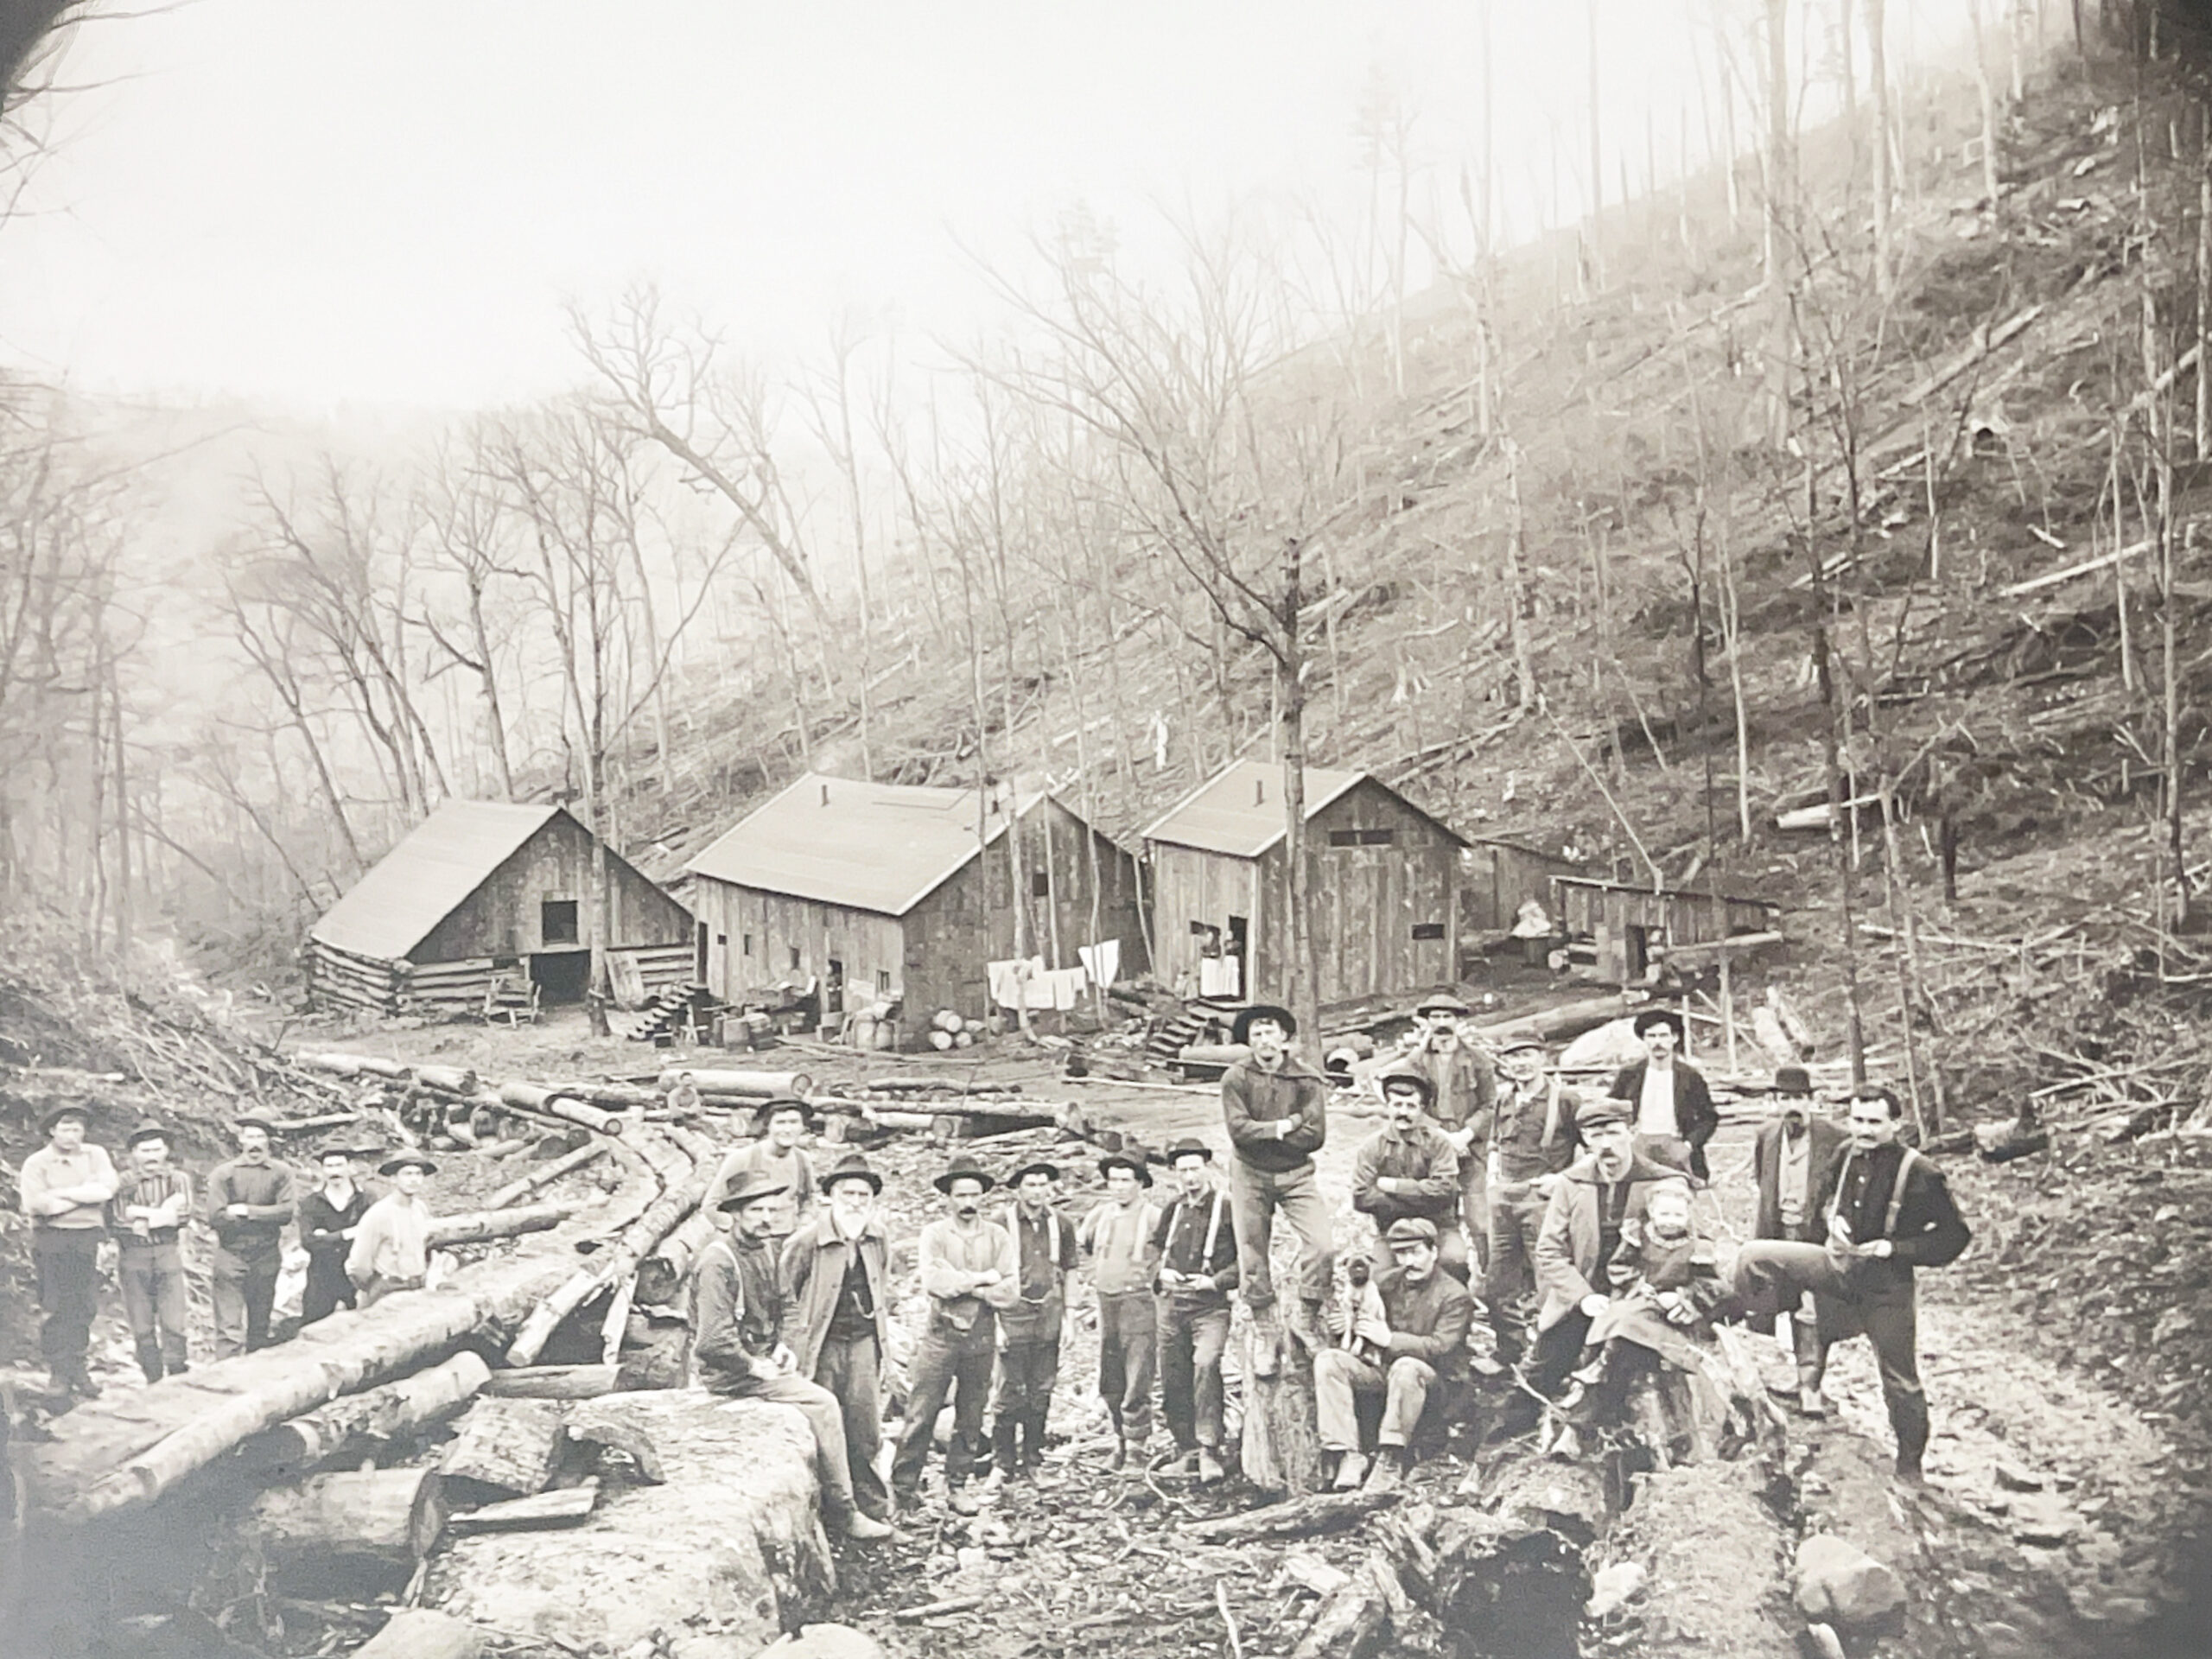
x=1119 y=1232
x=1029 y=1328
x=249 y=1200
x=1276 y=1110
x=968 y=1273
x=150 y=1207
x=64 y=1187
x=1670 y=1109
x=1462 y=1095
x=1196 y=1243
x=1889 y=1212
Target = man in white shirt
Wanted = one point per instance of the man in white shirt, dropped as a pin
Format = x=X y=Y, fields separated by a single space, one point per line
x=391 y=1243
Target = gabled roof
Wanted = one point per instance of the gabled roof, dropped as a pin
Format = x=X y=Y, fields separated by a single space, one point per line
x=1239 y=811
x=421 y=880
x=877 y=847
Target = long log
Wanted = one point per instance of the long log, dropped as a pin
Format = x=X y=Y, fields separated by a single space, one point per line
x=389 y=1516
x=474 y=1227
x=425 y=1633
x=384 y=1414
x=661 y=1275
x=447 y=1079
x=510 y=1446
x=748 y=1085
x=355 y=1065
x=1298 y=1517
x=550 y=1103
x=545 y=1175
x=552 y=1383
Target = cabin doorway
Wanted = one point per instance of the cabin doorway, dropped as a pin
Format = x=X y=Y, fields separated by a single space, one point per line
x=560 y=976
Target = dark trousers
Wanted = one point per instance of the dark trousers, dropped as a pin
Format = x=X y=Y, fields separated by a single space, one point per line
x=945 y=1360
x=1517 y=1217
x=327 y=1286
x=1557 y=1351
x=1029 y=1369
x=1128 y=1327
x=155 y=1302
x=853 y=1370
x=1191 y=1337
x=1853 y=1297
x=245 y=1289
x=67 y=1263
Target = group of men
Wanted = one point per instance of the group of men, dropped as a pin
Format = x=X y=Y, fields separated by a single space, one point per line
x=359 y=1246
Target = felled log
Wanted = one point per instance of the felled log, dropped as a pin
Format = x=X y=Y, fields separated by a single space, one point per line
x=378 y=1518
x=743 y=1085
x=425 y=1633
x=314 y=1125
x=1298 y=1517
x=545 y=1175
x=555 y=1103
x=563 y=1506
x=660 y=1275
x=620 y=1097
x=552 y=1382
x=1567 y=1020
x=448 y=1079
x=380 y=1415
x=506 y=1446
x=355 y=1065
x=474 y=1227
x=1355 y=1621
x=2001 y=1143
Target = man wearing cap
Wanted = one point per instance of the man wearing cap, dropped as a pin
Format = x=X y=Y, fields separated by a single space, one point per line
x=1420 y=1346
x=1276 y=1107
x=779 y=1157
x=390 y=1250
x=1889 y=1212
x=1045 y=1246
x=1410 y=1167
x=737 y=1308
x=328 y=1217
x=64 y=1187
x=151 y=1203
x=249 y=1200
x=968 y=1273
x=1534 y=1135
x=1464 y=1095
x=1119 y=1235
x=1196 y=1243
x=1670 y=1109
x=837 y=1318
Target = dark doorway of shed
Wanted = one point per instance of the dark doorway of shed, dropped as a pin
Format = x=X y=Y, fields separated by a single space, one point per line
x=699 y=958
x=560 y=976
x=833 y=989
x=1638 y=953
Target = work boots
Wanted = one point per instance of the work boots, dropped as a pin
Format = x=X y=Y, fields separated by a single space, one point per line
x=1005 y=1443
x=1033 y=1439
x=149 y=1357
x=1909 y=1417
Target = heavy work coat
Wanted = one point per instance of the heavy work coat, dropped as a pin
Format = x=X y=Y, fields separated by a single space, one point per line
x=1254 y=1100
x=1826 y=1156
x=1695 y=1114
x=1569 y=1249
x=814 y=1261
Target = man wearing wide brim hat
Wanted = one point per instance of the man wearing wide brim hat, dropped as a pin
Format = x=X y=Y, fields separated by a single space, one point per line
x=738 y=1312
x=250 y=1198
x=1463 y=1092
x=390 y=1250
x=150 y=1207
x=968 y=1273
x=1275 y=1108
x=837 y=1278
x=784 y=1123
x=1409 y=1167
x=1198 y=1270
x=1534 y=1135
x=1120 y=1232
x=1031 y=1328
x=64 y=1187
x=1670 y=1109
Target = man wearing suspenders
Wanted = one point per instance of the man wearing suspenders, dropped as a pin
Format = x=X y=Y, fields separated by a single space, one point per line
x=1197 y=1240
x=1889 y=1212
x=1029 y=1328
x=1534 y=1138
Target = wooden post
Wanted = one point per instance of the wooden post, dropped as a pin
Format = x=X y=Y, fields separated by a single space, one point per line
x=1728 y=1007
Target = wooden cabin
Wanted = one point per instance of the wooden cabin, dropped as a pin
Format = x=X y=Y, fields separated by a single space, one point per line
x=482 y=891
x=1386 y=880
x=1498 y=877
x=1616 y=933
x=899 y=893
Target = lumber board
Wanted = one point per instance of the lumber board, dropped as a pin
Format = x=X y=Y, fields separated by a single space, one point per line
x=563 y=1506
x=552 y=1382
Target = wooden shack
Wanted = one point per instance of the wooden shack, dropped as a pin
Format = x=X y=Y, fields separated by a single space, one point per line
x=1385 y=877
x=482 y=889
x=900 y=893
x=1618 y=933
x=1498 y=877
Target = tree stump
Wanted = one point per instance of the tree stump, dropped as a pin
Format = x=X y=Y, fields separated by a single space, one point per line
x=350 y=1529
x=506 y=1448
x=1281 y=1450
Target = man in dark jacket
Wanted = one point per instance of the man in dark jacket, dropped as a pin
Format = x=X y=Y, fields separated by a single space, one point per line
x=328 y=1217
x=1276 y=1110
x=738 y=1347
x=1795 y=1158
x=1535 y=1134
x=1045 y=1256
x=1197 y=1244
x=1409 y=1167
x=837 y=1278
x=1465 y=1088
x=1417 y=1347
x=1889 y=1212
x=249 y=1200
x=1669 y=1107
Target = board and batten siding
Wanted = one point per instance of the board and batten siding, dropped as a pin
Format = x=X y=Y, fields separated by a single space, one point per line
x=504 y=916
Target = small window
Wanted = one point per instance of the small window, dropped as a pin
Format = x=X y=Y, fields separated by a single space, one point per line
x=794 y=958
x=1040 y=884
x=721 y=939
x=883 y=982
x=748 y=943
x=557 y=921
x=1428 y=930
x=1377 y=837
x=1343 y=837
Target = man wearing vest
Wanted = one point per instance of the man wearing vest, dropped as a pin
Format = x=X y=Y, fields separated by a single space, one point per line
x=329 y=1216
x=969 y=1274
x=1463 y=1092
x=1889 y=1212
x=836 y=1275
x=1119 y=1233
x=1275 y=1108
x=1534 y=1134
x=64 y=1187
x=1197 y=1246
x=1029 y=1330
x=147 y=1213
x=1410 y=1167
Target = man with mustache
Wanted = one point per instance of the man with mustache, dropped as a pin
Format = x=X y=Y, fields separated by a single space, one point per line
x=970 y=1272
x=1669 y=1106
x=1411 y=1167
x=1794 y=1160
x=1462 y=1095
x=1196 y=1243
x=1044 y=1248
x=1119 y=1232
x=836 y=1272
x=1276 y=1107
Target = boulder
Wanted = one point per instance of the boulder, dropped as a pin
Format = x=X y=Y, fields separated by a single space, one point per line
x=1842 y=1584
x=824 y=1641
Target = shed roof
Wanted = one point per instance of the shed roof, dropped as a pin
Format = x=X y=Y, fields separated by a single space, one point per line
x=878 y=847
x=420 y=882
x=1239 y=811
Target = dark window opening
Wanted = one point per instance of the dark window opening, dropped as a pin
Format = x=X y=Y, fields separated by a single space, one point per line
x=1428 y=930
x=722 y=938
x=1362 y=838
x=794 y=949
x=557 y=921
x=883 y=982
x=748 y=945
x=1040 y=884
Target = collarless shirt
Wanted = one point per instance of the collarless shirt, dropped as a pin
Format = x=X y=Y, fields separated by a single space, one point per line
x=1793 y=1167
x=48 y=1170
x=1655 y=1109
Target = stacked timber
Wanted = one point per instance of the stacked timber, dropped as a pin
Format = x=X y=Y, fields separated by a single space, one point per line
x=341 y=977
x=447 y=988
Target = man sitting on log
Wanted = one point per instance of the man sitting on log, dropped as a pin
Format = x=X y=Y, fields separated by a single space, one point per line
x=737 y=1325
x=249 y=1200
x=1669 y=1106
x=777 y=1156
x=1889 y=1212
x=1198 y=1269
x=329 y=1216
x=1029 y=1347
x=148 y=1210
x=1418 y=1346
x=968 y=1273
x=1410 y=1167
x=64 y=1187
x=1276 y=1107
x=837 y=1277
x=391 y=1243
x=1119 y=1233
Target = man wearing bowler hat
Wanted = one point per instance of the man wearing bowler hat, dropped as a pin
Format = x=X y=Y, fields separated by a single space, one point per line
x=1276 y=1107
x=250 y=1198
x=968 y=1273
x=837 y=1281
x=1196 y=1243
x=390 y=1250
x=64 y=1187
x=1409 y=1167
x=1463 y=1094
x=1045 y=1251
x=1670 y=1110
x=1118 y=1233
x=1534 y=1135
x=738 y=1315
x=150 y=1207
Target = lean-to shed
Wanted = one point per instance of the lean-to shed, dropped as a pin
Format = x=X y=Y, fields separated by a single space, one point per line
x=1617 y=933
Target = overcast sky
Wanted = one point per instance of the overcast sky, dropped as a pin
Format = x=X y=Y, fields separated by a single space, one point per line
x=319 y=202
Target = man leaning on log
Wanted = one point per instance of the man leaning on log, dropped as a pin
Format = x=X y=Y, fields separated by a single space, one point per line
x=737 y=1323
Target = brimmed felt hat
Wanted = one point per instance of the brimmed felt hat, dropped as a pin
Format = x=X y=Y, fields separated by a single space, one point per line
x=1792 y=1080
x=751 y=1189
x=1114 y=1160
x=1605 y=1113
x=967 y=1171
x=400 y=1160
x=1650 y=1018
x=1051 y=1172
x=252 y=1120
x=853 y=1166
x=1406 y=1071
x=340 y=1149
x=1240 y=1029
x=767 y=1109
x=1189 y=1146
x=1411 y=1229
x=1443 y=1000
x=148 y=1129
x=46 y=1124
